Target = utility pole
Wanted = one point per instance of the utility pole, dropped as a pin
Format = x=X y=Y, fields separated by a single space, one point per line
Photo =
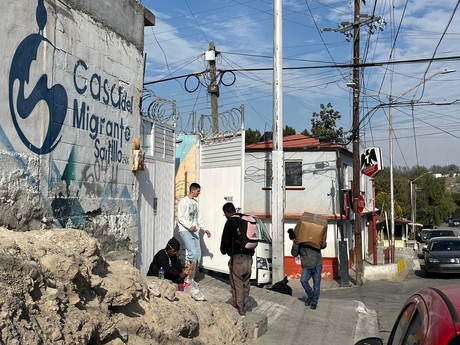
x=356 y=155
x=345 y=28
x=343 y=246
x=213 y=87
x=277 y=151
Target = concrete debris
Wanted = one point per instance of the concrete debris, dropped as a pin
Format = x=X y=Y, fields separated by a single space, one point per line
x=58 y=289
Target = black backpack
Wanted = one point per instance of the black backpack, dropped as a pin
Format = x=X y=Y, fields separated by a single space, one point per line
x=248 y=234
x=282 y=287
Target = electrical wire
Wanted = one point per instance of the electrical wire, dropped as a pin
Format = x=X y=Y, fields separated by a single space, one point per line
x=437 y=46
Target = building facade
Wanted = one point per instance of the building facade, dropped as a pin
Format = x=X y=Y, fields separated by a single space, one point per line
x=318 y=179
x=70 y=110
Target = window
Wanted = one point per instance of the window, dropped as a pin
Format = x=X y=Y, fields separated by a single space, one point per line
x=292 y=173
x=402 y=324
x=409 y=328
x=414 y=333
x=268 y=173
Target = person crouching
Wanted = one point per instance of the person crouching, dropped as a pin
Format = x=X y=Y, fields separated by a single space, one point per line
x=167 y=258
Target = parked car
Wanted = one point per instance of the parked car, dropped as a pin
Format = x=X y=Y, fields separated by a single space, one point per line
x=432 y=234
x=428 y=317
x=439 y=233
x=442 y=255
x=454 y=223
x=422 y=235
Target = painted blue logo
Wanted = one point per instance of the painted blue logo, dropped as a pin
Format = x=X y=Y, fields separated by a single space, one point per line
x=22 y=105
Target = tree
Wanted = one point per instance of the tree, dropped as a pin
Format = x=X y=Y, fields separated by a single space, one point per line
x=382 y=202
x=252 y=137
x=306 y=133
x=432 y=199
x=324 y=126
x=288 y=131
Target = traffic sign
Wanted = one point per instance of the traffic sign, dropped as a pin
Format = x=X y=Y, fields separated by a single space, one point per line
x=361 y=204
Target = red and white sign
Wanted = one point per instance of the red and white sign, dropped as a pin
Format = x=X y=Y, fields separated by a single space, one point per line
x=361 y=204
x=371 y=161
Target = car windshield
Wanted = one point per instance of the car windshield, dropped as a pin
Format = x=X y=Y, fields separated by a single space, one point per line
x=442 y=246
x=440 y=233
x=264 y=236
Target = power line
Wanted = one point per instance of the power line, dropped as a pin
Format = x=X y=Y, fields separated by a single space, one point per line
x=370 y=64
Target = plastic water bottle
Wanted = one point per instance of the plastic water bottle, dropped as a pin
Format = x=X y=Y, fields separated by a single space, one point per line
x=161 y=273
x=298 y=260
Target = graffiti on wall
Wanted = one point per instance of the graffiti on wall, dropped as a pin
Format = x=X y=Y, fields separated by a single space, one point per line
x=97 y=125
x=99 y=108
x=22 y=105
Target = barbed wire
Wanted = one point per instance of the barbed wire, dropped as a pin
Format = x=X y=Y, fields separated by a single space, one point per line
x=159 y=109
x=230 y=123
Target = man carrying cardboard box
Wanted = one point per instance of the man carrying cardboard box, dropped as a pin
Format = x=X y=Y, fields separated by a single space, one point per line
x=309 y=237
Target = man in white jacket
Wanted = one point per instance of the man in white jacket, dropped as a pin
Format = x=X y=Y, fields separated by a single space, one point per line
x=190 y=223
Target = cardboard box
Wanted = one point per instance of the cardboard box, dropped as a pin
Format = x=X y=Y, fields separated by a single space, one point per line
x=311 y=229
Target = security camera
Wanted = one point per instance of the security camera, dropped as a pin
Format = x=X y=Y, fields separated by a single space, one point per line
x=351 y=84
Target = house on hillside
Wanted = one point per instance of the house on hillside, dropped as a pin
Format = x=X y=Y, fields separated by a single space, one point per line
x=315 y=173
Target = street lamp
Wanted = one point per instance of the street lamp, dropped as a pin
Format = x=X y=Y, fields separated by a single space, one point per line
x=412 y=204
x=390 y=132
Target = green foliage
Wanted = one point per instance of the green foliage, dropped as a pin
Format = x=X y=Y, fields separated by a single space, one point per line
x=382 y=203
x=324 y=125
x=252 y=137
x=288 y=131
x=306 y=133
x=431 y=198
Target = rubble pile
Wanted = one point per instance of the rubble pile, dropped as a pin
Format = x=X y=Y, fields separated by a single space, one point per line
x=58 y=289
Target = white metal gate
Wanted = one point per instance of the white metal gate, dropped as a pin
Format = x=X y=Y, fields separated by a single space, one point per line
x=156 y=191
x=221 y=180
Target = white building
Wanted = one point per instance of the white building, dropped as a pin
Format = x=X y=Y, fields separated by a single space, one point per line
x=314 y=174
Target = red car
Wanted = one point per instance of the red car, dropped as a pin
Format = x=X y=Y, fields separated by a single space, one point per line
x=429 y=317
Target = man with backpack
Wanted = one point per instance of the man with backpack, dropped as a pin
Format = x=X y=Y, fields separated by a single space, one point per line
x=238 y=242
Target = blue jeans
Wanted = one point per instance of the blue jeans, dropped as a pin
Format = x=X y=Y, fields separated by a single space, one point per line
x=314 y=273
x=192 y=244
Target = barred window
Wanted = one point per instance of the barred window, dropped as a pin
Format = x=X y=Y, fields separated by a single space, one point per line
x=292 y=173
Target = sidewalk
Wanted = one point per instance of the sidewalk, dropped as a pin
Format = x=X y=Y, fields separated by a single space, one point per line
x=282 y=319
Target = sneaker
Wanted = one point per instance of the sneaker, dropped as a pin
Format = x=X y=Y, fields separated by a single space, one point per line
x=313 y=306
x=308 y=301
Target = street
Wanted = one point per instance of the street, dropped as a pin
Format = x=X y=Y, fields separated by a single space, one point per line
x=344 y=315
x=387 y=297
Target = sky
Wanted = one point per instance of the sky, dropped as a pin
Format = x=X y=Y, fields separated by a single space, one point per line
x=404 y=52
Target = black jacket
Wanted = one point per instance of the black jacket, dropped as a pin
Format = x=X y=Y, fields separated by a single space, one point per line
x=228 y=245
x=171 y=265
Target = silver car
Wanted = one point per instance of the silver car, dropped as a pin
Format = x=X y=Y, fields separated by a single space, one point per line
x=442 y=255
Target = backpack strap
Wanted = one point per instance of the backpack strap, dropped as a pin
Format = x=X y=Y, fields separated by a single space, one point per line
x=236 y=218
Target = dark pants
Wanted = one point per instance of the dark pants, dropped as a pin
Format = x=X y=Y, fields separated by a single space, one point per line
x=240 y=276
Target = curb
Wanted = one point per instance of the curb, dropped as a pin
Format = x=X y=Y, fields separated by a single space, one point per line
x=388 y=271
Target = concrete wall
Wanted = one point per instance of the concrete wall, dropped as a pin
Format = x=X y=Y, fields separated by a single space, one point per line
x=318 y=194
x=319 y=177
x=72 y=72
